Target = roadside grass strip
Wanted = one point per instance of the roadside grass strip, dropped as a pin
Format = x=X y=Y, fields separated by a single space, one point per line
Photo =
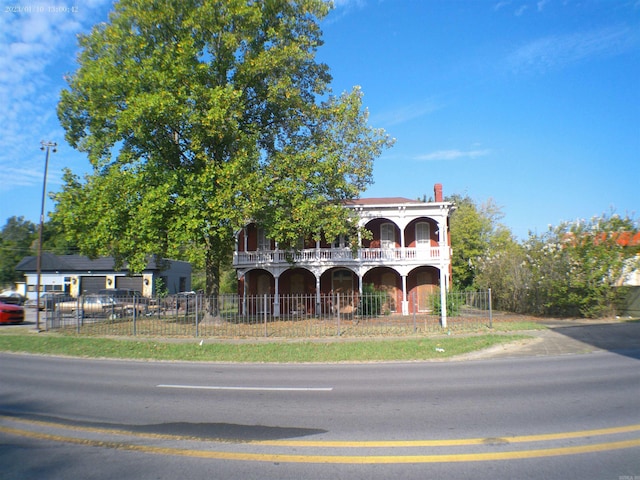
x=336 y=452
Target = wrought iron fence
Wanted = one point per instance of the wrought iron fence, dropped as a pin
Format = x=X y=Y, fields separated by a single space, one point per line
x=286 y=316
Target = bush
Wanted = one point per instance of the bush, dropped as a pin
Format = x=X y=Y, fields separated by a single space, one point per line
x=372 y=301
x=454 y=303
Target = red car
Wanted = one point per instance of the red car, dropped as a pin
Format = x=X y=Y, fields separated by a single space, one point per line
x=11 y=313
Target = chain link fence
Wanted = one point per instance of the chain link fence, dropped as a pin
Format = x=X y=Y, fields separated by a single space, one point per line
x=283 y=316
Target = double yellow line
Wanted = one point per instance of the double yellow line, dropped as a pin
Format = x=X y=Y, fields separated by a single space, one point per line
x=338 y=459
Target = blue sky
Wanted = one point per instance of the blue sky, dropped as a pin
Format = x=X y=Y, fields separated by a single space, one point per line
x=534 y=104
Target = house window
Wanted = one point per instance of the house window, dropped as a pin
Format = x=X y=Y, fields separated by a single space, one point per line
x=387 y=235
x=263 y=242
x=341 y=242
x=423 y=235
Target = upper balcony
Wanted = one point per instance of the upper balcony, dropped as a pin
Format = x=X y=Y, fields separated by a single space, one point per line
x=343 y=256
x=401 y=232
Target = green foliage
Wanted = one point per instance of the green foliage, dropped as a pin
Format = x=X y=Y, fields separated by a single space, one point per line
x=198 y=116
x=17 y=240
x=570 y=270
x=474 y=232
x=161 y=290
x=576 y=266
x=454 y=300
x=504 y=270
x=372 y=301
x=54 y=240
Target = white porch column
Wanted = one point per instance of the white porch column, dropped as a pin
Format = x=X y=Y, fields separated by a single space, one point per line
x=444 y=269
x=443 y=298
x=318 y=306
x=405 y=302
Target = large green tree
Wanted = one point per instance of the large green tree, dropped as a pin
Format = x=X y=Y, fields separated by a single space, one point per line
x=16 y=240
x=198 y=115
x=476 y=231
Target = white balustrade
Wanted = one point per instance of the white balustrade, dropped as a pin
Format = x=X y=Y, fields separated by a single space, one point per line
x=340 y=256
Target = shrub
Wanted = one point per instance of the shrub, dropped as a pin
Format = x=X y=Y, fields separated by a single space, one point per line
x=455 y=301
x=372 y=301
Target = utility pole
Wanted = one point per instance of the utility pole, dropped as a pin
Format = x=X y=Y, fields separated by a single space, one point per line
x=45 y=146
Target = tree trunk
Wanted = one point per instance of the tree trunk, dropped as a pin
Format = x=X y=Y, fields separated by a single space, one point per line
x=212 y=288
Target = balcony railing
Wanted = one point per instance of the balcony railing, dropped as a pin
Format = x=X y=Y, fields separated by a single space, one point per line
x=341 y=256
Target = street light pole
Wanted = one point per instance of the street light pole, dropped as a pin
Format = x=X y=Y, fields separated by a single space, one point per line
x=45 y=146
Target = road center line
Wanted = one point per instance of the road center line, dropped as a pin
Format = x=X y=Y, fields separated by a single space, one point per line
x=249 y=388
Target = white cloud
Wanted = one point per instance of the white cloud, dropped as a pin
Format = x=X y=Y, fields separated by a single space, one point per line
x=348 y=3
x=558 y=51
x=37 y=40
x=541 y=4
x=343 y=8
x=520 y=11
x=501 y=4
x=406 y=113
x=453 y=154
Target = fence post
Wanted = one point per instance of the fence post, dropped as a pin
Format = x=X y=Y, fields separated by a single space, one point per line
x=264 y=313
x=196 y=312
x=80 y=310
x=338 y=311
x=77 y=315
x=490 y=310
x=413 y=301
x=135 y=315
x=443 y=305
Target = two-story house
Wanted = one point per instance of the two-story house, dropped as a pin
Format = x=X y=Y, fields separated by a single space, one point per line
x=408 y=256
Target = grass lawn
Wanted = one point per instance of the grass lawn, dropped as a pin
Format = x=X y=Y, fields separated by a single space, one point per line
x=334 y=350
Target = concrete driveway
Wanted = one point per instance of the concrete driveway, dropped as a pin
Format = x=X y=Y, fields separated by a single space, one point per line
x=572 y=337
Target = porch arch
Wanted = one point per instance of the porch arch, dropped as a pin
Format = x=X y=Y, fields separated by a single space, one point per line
x=388 y=280
x=422 y=283
x=257 y=283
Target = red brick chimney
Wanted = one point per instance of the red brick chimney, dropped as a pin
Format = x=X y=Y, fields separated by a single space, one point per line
x=437 y=190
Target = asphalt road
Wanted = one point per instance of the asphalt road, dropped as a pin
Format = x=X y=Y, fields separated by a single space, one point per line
x=569 y=416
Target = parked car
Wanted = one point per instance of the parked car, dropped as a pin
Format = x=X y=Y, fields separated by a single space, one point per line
x=49 y=300
x=130 y=300
x=92 y=305
x=12 y=297
x=11 y=313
